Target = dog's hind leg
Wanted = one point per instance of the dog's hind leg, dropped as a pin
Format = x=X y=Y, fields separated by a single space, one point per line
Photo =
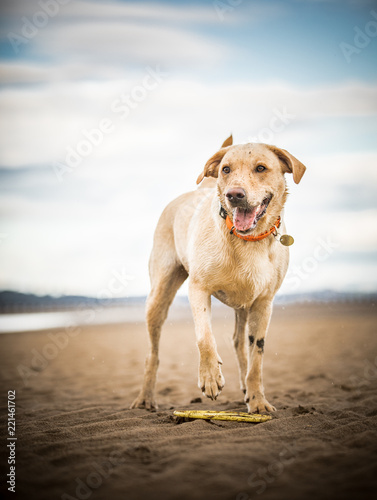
x=239 y=342
x=167 y=275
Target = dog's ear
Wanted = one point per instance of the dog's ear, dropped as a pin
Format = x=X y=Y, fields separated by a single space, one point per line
x=290 y=164
x=227 y=142
x=211 y=168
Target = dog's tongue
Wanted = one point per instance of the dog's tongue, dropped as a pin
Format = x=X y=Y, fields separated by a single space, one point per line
x=245 y=219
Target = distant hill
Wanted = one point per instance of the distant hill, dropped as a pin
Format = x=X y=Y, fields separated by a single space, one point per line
x=15 y=302
x=325 y=296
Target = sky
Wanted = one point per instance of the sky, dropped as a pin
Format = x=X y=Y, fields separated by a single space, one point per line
x=109 y=110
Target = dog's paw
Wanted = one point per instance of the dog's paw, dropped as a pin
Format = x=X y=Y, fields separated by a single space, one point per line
x=258 y=404
x=144 y=401
x=211 y=380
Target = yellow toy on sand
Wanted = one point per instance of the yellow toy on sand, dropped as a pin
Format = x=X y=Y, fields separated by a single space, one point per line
x=236 y=416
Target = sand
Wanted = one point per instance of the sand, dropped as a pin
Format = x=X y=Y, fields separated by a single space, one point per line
x=76 y=437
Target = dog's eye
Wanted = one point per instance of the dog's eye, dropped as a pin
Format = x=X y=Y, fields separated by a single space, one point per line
x=226 y=170
x=260 y=168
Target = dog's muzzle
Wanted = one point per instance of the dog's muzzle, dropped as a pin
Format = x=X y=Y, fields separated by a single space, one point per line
x=236 y=196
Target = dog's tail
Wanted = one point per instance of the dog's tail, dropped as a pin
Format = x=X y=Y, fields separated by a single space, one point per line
x=210 y=182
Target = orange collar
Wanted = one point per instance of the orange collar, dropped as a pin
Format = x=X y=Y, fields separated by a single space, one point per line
x=250 y=237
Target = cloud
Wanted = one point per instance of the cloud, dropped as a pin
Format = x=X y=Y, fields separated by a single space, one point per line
x=103 y=49
x=178 y=13
x=160 y=12
x=31 y=72
x=117 y=42
x=40 y=122
x=114 y=35
x=89 y=39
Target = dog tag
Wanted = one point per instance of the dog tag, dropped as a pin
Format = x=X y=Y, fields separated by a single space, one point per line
x=286 y=240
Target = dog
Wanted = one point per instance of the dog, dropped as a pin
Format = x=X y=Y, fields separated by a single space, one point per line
x=225 y=237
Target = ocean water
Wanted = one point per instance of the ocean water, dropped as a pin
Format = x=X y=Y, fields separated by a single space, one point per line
x=11 y=323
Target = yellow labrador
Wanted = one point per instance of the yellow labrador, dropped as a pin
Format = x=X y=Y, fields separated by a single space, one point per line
x=222 y=237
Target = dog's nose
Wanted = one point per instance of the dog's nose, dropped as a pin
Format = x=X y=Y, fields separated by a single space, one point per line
x=235 y=195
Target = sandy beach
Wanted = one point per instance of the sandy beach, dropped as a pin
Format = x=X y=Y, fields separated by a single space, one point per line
x=76 y=437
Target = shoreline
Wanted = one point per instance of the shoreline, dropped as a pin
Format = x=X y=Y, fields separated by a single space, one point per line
x=135 y=313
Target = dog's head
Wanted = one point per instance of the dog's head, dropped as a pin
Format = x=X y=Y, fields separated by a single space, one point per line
x=250 y=182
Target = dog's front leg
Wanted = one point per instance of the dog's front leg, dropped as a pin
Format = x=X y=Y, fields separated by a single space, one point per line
x=211 y=380
x=258 y=320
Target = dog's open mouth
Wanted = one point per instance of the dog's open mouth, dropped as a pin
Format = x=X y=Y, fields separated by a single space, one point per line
x=247 y=219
